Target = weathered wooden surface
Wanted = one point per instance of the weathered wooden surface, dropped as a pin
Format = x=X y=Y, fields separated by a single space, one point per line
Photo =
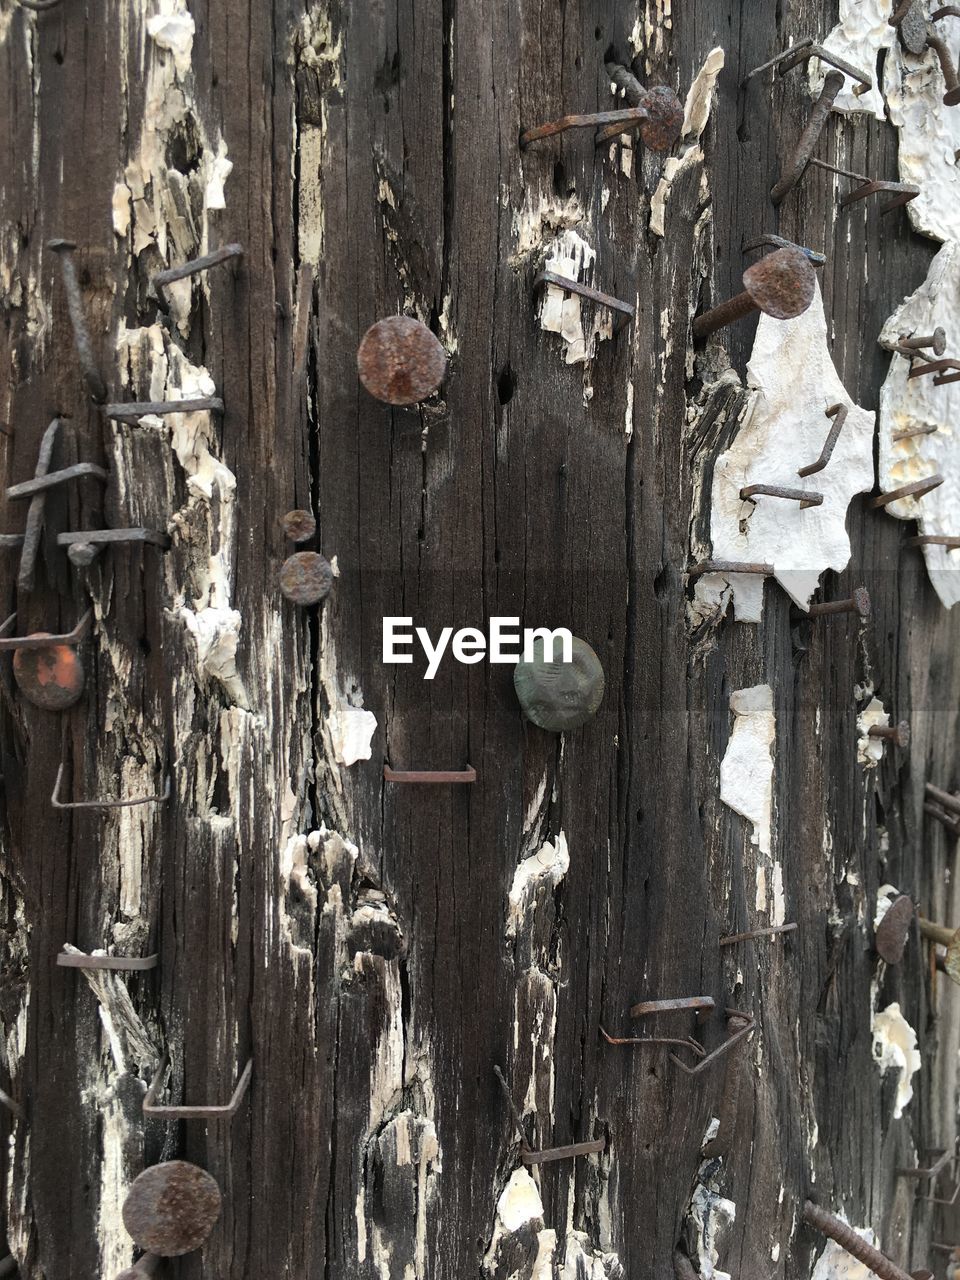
x=375 y=971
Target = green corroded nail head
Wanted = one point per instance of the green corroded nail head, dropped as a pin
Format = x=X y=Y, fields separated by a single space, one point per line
x=560 y=695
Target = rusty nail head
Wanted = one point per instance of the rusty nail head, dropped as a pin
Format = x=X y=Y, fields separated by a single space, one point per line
x=51 y=677
x=782 y=284
x=894 y=928
x=400 y=361
x=911 y=21
x=861 y=601
x=171 y=1208
x=896 y=733
x=662 y=129
x=306 y=578
x=299 y=525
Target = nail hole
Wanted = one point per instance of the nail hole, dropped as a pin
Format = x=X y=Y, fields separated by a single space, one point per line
x=58 y=57
x=561 y=183
x=610 y=53
x=506 y=384
x=598 y=33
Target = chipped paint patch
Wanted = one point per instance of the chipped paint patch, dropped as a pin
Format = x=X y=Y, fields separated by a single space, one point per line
x=929 y=136
x=710 y=1216
x=870 y=750
x=348 y=727
x=908 y=404
x=542 y=870
x=536 y=225
x=582 y=1262
x=836 y=1264
x=746 y=771
x=895 y=1049
x=784 y=428
x=862 y=33
x=561 y=312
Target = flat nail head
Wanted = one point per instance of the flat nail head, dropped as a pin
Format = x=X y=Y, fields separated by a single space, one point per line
x=400 y=361
x=299 y=525
x=558 y=695
x=664 y=124
x=51 y=677
x=894 y=929
x=861 y=602
x=171 y=1208
x=782 y=284
x=306 y=578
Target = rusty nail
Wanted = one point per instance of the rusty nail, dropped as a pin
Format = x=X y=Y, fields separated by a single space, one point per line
x=81 y=335
x=299 y=525
x=898 y=734
x=719 y=1145
x=40 y=484
x=72 y=958
x=933 y=540
x=903 y=192
x=952 y=85
x=914 y=431
x=171 y=1208
x=629 y=117
x=224 y=1111
x=931 y=1171
x=196 y=265
x=730 y=566
x=135 y=409
x=664 y=120
x=84 y=545
x=702 y=1006
x=935 y=342
x=944 y=936
x=400 y=361
x=38 y=6
x=914 y=490
x=684 y=1042
x=146 y=1265
x=57 y=803
x=36 y=511
x=952 y=824
x=624 y=312
x=739 y=1026
x=517 y=1118
x=778 y=242
x=795 y=169
x=527 y=1154
x=893 y=930
x=781 y=285
x=942 y=379
x=943 y=798
x=41 y=639
x=770 y=932
x=803 y=496
x=858 y=603
x=306 y=578
x=802 y=52
x=854 y=1244
x=469 y=774
x=839 y=414
x=900 y=12
x=928 y=367
x=912 y=25
x=51 y=676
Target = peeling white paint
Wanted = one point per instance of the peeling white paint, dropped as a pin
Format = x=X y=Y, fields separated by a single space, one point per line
x=870 y=750
x=886 y=895
x=895 y=1049
x=695 y=118
x=746 y=771
x=348 y=727
x=836 y=1264
x=783 y=429
x=862 y=33
x=907 y=404
x=710 y=1215
x=542 y=870
x=561 y=312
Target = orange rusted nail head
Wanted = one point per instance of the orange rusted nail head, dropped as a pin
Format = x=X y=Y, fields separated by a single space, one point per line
x=51 y=678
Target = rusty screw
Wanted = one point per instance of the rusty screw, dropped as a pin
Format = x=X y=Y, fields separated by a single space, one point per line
x=847 y=1238
x=858 y=603
x=171 y=1208
x=781 y=285
x=935 y=342
x=661 y=129
x=306 y=578
x=299 y=525
x=400 y=361
x=898 y=734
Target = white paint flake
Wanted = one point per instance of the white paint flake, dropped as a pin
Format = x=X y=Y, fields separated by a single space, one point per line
x=907 y=404
x=696 y=115
x=895 y=1049
x=746 y=771
x=542 y=870
x=710 y=1216
x=886 y=895
x=784 y=428
x=173 y=29
x=561 y=312
x=870 y=750
x=929 y=136
x=519 y=1202
x=836 y=1264
x=861 y=34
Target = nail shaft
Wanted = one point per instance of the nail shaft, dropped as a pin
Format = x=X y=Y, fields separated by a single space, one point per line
x=771 y=932
x=141 y=408
x=944 y=798
x=629 y=117
x=624 y=312
x=847 y=1238
x=730 y=566
x=81 y=334
x=803 y=496
x=809 y=138
x=915 y=490
x=933 y=540
x=858 y=603
x=838 y=412
x=196 y=265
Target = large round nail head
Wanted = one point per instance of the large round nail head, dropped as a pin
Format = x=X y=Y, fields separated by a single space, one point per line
x=400 y=361
x=782 y=284
x=914 y=29
x=894 y=929
x=664 y=123
x=171 y=1208
x=557 y=695
x=51 y=677
x=306 y=578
